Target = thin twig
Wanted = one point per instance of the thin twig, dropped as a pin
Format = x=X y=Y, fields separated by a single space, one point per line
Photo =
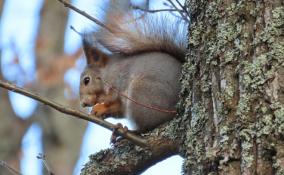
x=181 y=11
x=183 y=7
x=77 y=114
x=76 y=31
x=98 y=22
x=147 y=4
x=155 y=11
x=47 y=167
x=179 y=3
x=12 y=170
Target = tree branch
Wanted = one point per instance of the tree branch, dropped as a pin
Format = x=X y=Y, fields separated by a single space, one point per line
x=12 y=170
x=183 y=12
x=47 y=167
x=180 y=11
x=77 y=114
x=183 y=8
x=98 y=22
x=129 y=159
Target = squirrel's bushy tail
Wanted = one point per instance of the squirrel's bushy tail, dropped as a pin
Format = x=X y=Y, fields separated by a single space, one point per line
x=131 y=35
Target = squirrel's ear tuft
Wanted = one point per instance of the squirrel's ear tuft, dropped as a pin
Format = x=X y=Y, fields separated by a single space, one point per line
x=94 y=55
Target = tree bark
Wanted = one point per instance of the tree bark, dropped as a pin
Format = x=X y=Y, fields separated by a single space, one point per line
x=233 y=82
x=127 y=158
x=231 y=109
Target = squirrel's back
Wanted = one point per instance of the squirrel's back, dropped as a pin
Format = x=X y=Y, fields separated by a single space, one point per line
x=130 y=35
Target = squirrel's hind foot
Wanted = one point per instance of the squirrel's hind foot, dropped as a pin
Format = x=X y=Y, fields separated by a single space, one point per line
x=115 y=138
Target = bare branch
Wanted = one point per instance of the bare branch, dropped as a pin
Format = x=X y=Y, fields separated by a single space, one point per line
x=183 y=7
x=12 y=170
x=98 y=22
x=77 y=114
x=179 y=3
x=181 y=12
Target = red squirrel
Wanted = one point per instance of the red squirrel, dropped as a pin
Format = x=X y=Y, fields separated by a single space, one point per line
x=133 y=70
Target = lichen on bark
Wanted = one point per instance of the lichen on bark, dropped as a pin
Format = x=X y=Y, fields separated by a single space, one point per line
x=243 y=49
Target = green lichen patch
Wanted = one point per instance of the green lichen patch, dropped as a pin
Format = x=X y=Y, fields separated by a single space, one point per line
x=195 y=148
x=247 y=136
x=226 y=32
x=198 y=118
x=195 y=151
x=206 y=83
x=265 y=125
x=273 y=29
x=243 y=107
x=256 y=73
x=195 y=34
x=212 y=12
x=224 y=134
x=278 y=109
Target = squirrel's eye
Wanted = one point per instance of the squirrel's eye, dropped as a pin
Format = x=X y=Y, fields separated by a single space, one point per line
x=86 y=81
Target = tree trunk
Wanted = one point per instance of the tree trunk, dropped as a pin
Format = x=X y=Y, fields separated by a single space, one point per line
x=62 y=136
x=233 y=86
x=231 y=112
x=12 y=128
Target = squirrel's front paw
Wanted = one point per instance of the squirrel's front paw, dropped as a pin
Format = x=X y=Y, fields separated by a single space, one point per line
x=100 y=110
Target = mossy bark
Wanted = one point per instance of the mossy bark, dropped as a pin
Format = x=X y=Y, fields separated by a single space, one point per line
x=233 y=86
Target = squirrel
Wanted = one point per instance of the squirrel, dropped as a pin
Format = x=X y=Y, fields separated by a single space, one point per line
x=133 y=70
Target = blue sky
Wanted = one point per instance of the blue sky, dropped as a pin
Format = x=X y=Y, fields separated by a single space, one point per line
x=25 y=16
